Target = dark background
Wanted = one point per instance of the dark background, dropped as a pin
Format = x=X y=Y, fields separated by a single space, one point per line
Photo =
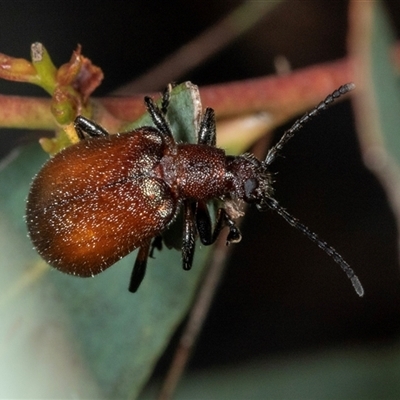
x=280 y=292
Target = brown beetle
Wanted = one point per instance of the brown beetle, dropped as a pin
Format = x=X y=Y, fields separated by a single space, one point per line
x=98 y=200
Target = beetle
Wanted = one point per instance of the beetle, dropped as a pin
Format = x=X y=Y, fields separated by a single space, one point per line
x=98 y=200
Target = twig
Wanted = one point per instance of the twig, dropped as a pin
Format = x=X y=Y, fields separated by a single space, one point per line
x=196 y=319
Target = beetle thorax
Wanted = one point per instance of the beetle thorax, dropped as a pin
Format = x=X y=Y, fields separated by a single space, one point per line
x=201 y=173
x=195 y=172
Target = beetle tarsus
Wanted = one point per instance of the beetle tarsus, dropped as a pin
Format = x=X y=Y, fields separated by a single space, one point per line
x=207 y=133
x=189 y=237
x=156 y=244
x=85 y=127
x=139 y=269
x=166 y=97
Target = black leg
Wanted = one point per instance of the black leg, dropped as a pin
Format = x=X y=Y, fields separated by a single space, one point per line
x=157 y=244
x=207 y=132
x=189 y=236
x=159 y=121
x=204 y=226
x=203 y=222
x=139 y=269
x=84 y=128
x=166 y=97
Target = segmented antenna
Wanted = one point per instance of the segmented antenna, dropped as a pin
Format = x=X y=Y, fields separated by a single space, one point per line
x=274 y=151
x=275 y=206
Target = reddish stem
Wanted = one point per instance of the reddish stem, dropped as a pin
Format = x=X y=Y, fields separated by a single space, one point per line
x=282 y=97
x=26 y=113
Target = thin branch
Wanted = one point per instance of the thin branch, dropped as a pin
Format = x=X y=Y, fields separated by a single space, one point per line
x=282 y=97
x=197 y=316
x=26 y=113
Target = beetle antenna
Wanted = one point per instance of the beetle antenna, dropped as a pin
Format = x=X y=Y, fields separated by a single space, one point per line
x=275 y=206
x=275 y=150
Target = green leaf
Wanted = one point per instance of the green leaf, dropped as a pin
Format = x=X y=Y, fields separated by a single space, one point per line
x=385 y=83
x=378 y=100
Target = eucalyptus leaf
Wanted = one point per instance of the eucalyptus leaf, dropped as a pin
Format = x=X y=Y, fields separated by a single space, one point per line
x=385 y=83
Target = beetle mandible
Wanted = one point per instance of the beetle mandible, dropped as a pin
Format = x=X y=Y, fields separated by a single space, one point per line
x=98 y=200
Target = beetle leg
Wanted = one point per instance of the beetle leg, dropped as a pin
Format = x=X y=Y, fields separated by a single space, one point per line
x=166 y=97
x=234 y=235
x=160 y=122
x=84 y=127
x=203 y=222
x=189 y=239
x=156 y=244
x=139 y=269
x=207 y=132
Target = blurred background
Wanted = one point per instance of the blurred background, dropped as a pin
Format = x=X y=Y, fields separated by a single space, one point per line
x=281 y=298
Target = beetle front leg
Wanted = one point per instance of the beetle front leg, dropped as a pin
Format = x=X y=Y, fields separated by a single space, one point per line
x=189 y=236
x=166 y=98
x=203 y=222
x=156 y=244
x=84 y=127
x=207 y=132
x=139 y=269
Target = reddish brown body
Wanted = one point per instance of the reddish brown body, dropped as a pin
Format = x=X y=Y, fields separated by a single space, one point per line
x=97 y=201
